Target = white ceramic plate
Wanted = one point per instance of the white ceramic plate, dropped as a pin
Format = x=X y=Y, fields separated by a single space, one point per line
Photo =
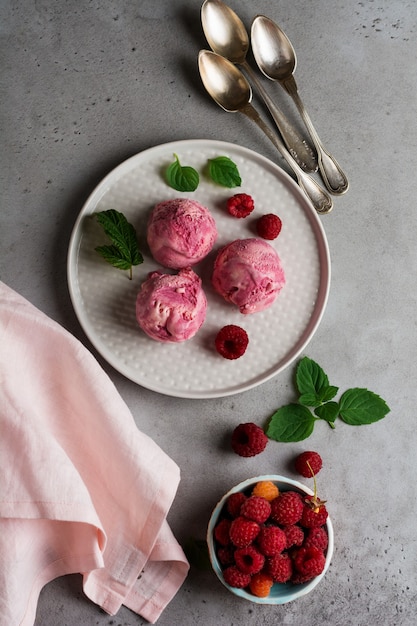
x=104 y=297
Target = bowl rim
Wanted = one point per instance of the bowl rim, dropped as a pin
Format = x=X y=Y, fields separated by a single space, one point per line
x=298 y=590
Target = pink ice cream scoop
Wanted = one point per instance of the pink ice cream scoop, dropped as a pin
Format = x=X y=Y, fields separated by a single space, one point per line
x=171 y=308
x=181 y=232
x=248 y=273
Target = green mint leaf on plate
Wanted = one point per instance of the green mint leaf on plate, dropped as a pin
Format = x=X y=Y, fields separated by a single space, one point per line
x=327 y=411
x=182 y=178
x=360 y=406
x=313 y=384
x=292 y=422
x=124 y=251
x=224 y=172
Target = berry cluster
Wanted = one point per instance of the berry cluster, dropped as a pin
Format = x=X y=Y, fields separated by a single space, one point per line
x=261 y=541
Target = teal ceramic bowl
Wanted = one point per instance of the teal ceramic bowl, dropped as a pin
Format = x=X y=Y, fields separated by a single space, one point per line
x=280 y=593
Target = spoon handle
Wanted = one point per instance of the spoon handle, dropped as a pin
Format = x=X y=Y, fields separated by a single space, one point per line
x=332 y=174
x=318 y=196
x=296 y=145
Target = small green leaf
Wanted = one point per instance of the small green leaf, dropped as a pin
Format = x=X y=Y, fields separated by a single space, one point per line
x=311 y=379
x=111 y=254
x=196 y=551
x=309 y=399
x=328 y=411
x=124 y=250
x=224 y=172
x=360 y=406
x=182 y=178
x=328 y=393
x=292 y=422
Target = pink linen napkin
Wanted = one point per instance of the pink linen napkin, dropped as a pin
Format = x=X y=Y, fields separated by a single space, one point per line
x=82 y=489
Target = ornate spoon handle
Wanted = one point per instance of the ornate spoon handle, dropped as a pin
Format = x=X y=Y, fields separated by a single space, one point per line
x=332 y=174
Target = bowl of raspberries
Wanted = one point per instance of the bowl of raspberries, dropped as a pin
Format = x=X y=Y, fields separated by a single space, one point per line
x=270 y=539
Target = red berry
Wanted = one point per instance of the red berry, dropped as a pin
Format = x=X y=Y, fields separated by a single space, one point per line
x=314 y=513
x=308 y=463
x=221 y=532
x=309 y=561
x=256 y=508
x=248 y=439
x=234 y=502
x=243 y=531
x=271 y=540
x=294 y=535
x=249 y=560
x=269 y=226
x=279 y=567
x=235 y=578
x=226 y=555
x=231 y=341
x=240 y=205
x=260 y=584
x=287 y=508
x=316 y=537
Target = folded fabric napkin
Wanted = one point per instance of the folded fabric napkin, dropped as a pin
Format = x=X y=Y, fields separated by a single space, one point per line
x=82 y=489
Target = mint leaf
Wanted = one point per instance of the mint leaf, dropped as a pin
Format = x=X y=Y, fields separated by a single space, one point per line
x=360 y=406
x=328 y=393
x=313 y=384
x=328 y=411
x=224 y=171
x=182 y=178
x=292 y=422
x=124 y=251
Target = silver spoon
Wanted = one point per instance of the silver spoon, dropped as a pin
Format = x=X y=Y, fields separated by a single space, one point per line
x=229 y=88
x=227 y=35
x=276 y=58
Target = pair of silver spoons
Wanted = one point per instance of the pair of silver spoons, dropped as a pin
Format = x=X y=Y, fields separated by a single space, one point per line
x=275 y=56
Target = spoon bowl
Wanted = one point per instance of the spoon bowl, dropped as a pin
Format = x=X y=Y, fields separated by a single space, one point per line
x=227 y=36
x=275 y=57
x=229 y=88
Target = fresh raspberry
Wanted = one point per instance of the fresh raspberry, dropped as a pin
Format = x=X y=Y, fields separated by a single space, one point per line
x=221 y=532
x=248 y=439
x=249 y=560
x=266 y=489
x=226 y=555
x=260 y=585
x=240 y=205
x=235 y=578
x=256 y=508
x=316 y=537
x=243 y=531
x=309 y=561
x=279 y=567
x=271 y=540
x=308 y=463
x=234 y=502
x=287 y=508
x=314 y=513
x=294 y=535
x=269 y=226
x=231 y=341
x=299 y=579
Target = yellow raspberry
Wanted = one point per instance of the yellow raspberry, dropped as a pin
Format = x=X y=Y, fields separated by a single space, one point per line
x=266 y=489
x=260 y=585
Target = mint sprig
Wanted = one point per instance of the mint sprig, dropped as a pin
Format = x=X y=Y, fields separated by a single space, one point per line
x=296 y=421
x=224 y=172
x=123 y=252
x=182 y=177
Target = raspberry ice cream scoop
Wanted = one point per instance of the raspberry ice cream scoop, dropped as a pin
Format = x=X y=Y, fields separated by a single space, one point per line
x=171 y=308
x=248 y=273
x=181 y=232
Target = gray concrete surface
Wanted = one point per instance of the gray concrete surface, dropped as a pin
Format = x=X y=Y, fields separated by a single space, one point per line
x=87 y=84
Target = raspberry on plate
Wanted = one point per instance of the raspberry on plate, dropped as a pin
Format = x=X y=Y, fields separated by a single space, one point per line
x=249 y=560
x=269 y=226
x=260 y=584
x=309 y=561
x=231 y=341
x=256 y=508
x=287 y=508
x=240 y=205
x=308 y=463
x=243 y=531
x=248 y=439
x=235 y=578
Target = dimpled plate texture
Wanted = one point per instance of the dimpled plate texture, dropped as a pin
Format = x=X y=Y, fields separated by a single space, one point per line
x=104 y=298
